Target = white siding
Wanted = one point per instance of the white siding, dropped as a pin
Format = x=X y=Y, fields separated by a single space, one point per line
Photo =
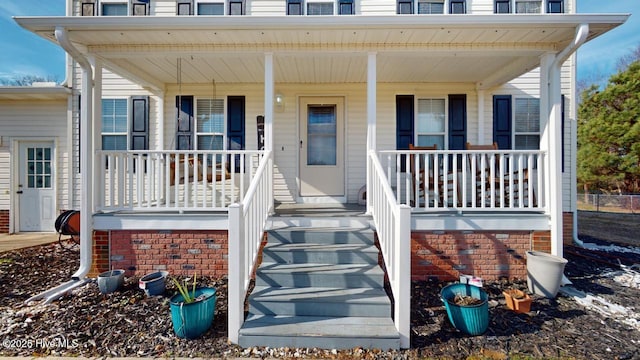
x=33 y=120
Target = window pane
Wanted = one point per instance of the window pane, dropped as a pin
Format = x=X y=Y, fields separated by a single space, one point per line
x=321 y=135
x=114 y=9
x=315 y=8
x=211 y=9
x=210 y=142
x=184 y=8
x=210 y=116
x=528 y=7
x=114 y=115
x=114 y=142
x=429 y=140
x=527 y=142
x=527 y=115
x=431 y=116
x=428 y=7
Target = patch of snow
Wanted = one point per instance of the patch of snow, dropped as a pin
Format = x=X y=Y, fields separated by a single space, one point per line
x=599 y=304
x=611 y=248
x=626 y=277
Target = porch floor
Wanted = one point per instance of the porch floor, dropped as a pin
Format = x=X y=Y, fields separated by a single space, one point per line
x=313 y=210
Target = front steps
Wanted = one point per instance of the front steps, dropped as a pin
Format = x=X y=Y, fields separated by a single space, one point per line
x=320 y=287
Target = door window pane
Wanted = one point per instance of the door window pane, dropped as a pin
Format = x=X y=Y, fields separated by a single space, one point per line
x=39 y=169
x=321 y=135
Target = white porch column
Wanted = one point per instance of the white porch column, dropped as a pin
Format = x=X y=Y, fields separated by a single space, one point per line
x=551 y=141
x=372 y=91
x=268 y=101
x=480 y=93
x=96 y=119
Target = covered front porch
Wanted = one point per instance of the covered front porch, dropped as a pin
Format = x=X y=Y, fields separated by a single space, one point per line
x=377 y=58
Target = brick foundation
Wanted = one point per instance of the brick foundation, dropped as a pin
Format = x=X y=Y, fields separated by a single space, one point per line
x=100 y=256
x=179 y=252
x=567 y=228
x=446 y=255
x=4 y=221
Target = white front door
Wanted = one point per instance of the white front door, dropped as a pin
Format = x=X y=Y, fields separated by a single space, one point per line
x=322 y=147
x=36 y=194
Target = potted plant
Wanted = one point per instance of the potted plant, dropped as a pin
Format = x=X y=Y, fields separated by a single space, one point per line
x=517 y=300
x=192 y=309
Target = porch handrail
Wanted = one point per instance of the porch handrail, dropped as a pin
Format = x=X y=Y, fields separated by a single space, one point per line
x=468 y=180
x=247 y=221
x=393 y=226
x=172 y=180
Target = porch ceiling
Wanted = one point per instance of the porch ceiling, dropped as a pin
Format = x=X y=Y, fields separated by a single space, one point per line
x=332 y=49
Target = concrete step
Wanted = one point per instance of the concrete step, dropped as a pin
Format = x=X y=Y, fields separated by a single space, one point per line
x=314 y=301
x=296 y=253
x=319 y=332
x=322 y=236
x=320 y=275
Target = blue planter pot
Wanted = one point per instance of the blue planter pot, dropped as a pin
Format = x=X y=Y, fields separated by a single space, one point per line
x=472 y=319
x=193 y=319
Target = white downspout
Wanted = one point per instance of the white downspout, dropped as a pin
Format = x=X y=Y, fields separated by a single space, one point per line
x=555 y=138
x=86 y=148
x=86 y=202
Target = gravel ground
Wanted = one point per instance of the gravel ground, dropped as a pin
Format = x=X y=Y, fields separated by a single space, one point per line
x=127 y=323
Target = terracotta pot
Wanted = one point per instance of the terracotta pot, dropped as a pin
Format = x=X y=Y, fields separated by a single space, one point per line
x=517 y=300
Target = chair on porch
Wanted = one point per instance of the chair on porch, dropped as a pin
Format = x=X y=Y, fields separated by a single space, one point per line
x=425 y=185
x=195 y=166
x=500 y=179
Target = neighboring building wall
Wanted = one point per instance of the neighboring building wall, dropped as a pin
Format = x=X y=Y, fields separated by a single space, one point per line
x=32 y=120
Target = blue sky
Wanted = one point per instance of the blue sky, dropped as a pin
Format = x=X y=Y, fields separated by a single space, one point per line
x=26 y=53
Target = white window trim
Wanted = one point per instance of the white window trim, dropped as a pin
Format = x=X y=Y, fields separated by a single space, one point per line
x=515 y=133
x=542 y=6
x=445 y=134
x=197 y=134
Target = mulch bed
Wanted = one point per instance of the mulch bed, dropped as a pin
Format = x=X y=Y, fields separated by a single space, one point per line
x=127 y=323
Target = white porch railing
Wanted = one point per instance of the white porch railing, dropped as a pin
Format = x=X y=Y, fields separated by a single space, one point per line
x=393 y=226
x=173 y=180
x=474 y=180
x=247 y=221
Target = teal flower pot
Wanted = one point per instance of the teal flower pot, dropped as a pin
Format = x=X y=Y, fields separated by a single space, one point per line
x=470 y=319
x=193 y=319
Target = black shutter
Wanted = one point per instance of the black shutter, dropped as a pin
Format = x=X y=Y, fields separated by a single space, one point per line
x=457 y=122
x=184 y=122
x=89 y=8
x=294 y=7
x=555 y=7
x=184 y=7
x=502 y=121
x=236 y=125
x=404 y=124
x=457 y=7
x=140 y=123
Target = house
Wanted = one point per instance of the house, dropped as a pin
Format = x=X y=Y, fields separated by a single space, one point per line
x=194 y=117
x=34 y=150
